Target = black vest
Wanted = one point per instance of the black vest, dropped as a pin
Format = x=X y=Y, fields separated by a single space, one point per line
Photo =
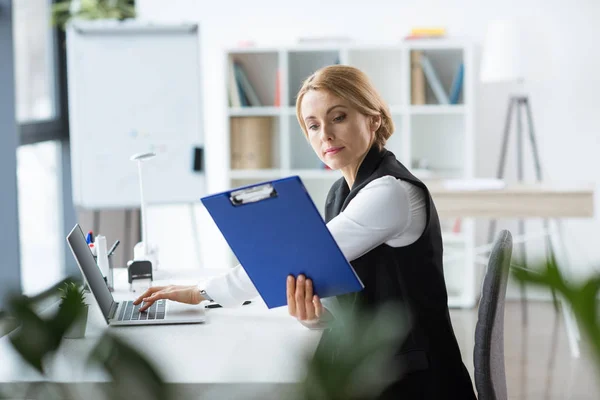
x=412 y=275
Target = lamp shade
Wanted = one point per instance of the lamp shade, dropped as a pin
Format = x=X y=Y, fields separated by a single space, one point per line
x=502 y=57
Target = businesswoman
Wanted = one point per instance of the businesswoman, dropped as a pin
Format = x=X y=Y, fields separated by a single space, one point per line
x=386 y=224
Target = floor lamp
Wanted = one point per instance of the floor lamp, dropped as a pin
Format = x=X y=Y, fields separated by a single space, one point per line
x=502 y=62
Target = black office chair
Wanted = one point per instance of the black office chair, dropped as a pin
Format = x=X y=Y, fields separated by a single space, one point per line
x=488 y=354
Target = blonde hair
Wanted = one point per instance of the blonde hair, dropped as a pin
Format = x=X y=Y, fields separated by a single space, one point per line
x=353 y=85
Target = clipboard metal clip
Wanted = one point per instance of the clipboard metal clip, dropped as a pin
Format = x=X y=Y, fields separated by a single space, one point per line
x=252 y=195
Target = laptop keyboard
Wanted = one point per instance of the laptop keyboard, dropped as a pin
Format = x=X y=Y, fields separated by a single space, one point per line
x=132 y=313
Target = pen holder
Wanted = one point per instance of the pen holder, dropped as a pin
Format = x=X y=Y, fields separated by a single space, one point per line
x=105 y=278
x=137 y=270
x=111 y=274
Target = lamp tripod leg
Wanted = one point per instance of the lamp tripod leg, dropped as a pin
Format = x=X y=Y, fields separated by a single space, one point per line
x=550 y=254
x=502 y=161
x=520 y=177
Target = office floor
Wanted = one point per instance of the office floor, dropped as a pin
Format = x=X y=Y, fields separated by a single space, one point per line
x=537 y=356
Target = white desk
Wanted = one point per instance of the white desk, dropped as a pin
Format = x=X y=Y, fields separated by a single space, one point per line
x=249 y=344
x=535 y=200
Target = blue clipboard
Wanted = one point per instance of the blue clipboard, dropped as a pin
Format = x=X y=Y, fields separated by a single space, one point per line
x=275 y=230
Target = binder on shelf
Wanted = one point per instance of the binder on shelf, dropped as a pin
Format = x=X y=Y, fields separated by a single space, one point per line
x=245 y=87
x=434 y=80
x=275 y=230
x=232 y=89
x=457 y=84
x=241 y=92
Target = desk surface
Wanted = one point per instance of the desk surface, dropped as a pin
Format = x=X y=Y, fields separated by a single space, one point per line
x=246 y=344
x=551 y=200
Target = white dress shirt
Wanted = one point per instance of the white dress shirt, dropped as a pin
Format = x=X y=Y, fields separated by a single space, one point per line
x=387 y=210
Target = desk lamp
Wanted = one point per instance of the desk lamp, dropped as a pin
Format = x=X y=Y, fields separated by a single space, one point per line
x=143 y=250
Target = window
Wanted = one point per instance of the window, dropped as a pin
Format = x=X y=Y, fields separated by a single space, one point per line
x=40 y=224
x=37 y=112
x=34 y=53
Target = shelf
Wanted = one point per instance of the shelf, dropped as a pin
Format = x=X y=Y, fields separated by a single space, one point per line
x=260 y=69
x=437 y=109
x=423 y=173
x=316 y=173
x=458 y=300
x=254 y=111
x=435 y=141
x=280 y=173
x=453 y=238
x=251 y=50
x=438 y=143
x=397 y=109
x=303 y=63
x=436 y=44
x=383 y=75
x=396 y=142
x=442 y=69
x=435 y=174
x=453 y=109
x=254 y=142
x=302 y=156
x=255 y=173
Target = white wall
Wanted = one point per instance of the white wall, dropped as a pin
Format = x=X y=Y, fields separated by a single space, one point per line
x=561 y=78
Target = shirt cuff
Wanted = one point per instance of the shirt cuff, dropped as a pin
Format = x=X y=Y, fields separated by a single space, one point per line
x=328 y=317
x=232 y=288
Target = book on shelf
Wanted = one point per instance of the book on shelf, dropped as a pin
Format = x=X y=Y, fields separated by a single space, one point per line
x=457 y=84
x=422 y=70
x=426 y=33
x=434 y=80
x=417 y=79
x=232 y=89
x=241 y=91
x=277 y=101
x=457 y=225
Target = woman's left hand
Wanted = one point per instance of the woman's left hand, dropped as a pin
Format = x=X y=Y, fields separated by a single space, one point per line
x=302 y=302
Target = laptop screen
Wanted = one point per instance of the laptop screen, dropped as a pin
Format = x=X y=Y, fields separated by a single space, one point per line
x=90 y=269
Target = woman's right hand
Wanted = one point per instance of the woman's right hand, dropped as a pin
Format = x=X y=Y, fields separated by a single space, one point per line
x=302 y=302
x=178 y=293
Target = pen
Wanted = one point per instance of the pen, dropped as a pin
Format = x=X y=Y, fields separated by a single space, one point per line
x=113 y=248
x=217 y=305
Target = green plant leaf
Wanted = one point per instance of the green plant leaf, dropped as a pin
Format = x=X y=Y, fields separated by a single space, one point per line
x=37 y=338
x=33 y=340
x=63 y=6
x=355 y=359
x=91 y=10
x=581 y=299
x=130 y=371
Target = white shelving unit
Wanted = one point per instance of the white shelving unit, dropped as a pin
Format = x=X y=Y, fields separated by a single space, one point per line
x=434 y=141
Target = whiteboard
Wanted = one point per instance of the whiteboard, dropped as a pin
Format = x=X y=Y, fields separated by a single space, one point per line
x=134 y=87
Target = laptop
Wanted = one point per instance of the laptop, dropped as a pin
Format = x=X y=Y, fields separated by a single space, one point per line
x=125 y=313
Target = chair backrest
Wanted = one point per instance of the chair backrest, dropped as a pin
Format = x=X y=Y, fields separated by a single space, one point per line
x=488 y=354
